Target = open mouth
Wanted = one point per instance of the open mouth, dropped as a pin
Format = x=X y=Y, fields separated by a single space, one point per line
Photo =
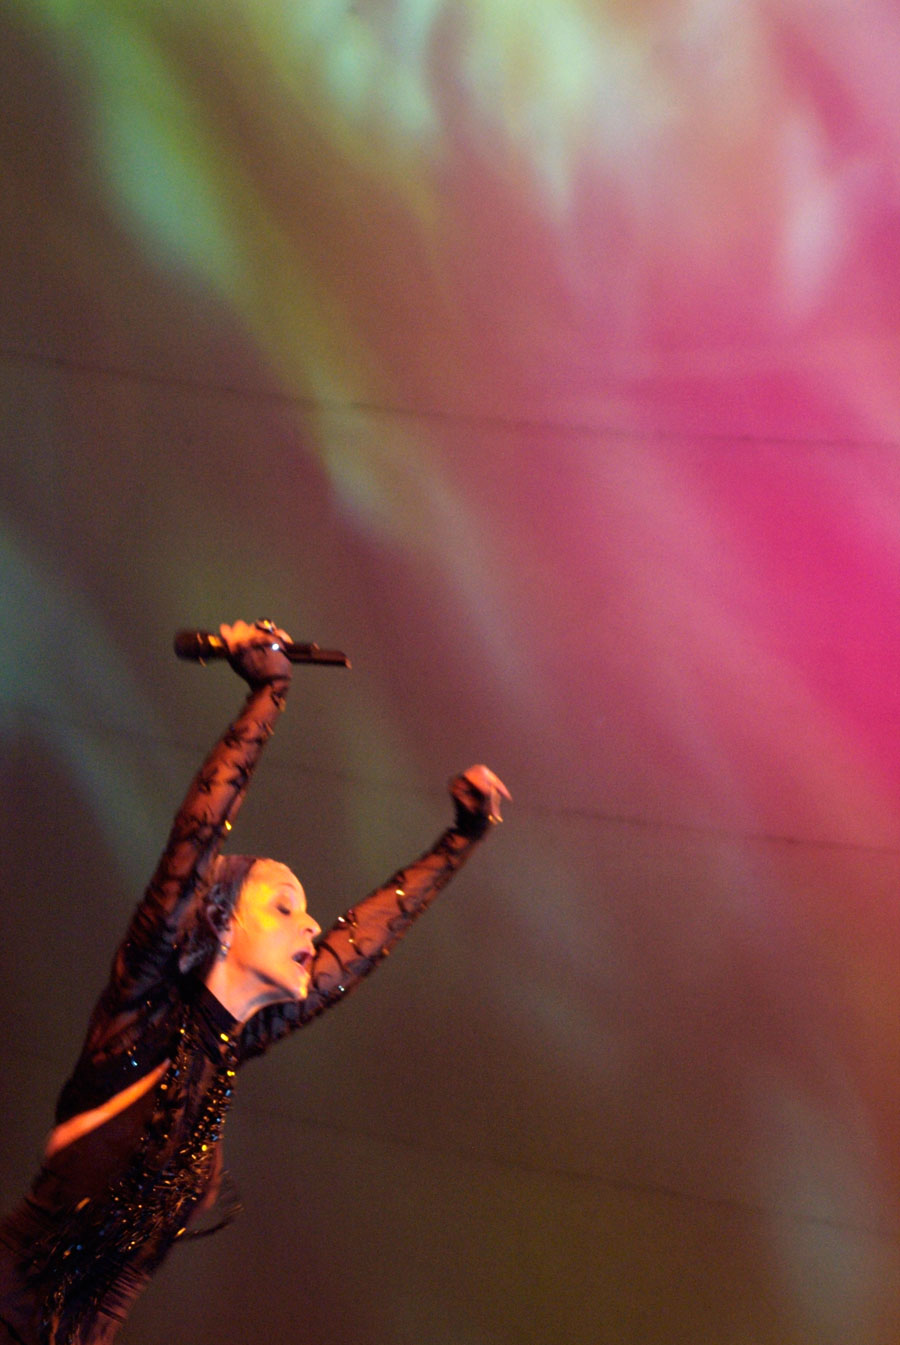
x=304 y=959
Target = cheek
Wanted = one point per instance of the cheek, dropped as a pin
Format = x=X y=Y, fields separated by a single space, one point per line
x=272 y=935
x=254 y=931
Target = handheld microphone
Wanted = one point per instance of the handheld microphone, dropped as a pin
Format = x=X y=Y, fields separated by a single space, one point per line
x=202 y=645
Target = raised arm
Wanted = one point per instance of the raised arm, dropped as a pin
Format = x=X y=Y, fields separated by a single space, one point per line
x=150 y=947
x=364 y=935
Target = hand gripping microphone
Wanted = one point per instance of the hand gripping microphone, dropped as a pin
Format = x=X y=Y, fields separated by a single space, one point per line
x=202 y=645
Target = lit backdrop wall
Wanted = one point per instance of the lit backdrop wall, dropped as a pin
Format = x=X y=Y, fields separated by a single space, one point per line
x=544 y=358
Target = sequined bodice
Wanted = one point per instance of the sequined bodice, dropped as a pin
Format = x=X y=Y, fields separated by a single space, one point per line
x=109 y=1206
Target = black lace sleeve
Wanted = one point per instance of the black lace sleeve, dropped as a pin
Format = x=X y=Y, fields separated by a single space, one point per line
x=148 y=954
x=363 y=937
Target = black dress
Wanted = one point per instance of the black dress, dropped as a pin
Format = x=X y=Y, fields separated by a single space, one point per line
x=104 y=1210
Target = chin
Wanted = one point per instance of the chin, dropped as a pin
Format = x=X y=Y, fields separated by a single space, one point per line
x=299 y=992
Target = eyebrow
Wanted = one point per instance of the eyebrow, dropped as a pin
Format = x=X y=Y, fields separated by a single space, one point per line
x=289 y=893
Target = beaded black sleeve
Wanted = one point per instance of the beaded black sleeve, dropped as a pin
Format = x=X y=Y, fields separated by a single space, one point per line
x=365 y=934
x=132 y=1020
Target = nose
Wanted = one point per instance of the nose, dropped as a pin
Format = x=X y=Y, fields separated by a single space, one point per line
x=313 y=926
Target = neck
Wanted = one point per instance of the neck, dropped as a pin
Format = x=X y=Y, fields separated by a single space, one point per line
x=241 y=994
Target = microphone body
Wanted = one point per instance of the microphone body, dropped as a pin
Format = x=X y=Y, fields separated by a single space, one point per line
x=201 y=645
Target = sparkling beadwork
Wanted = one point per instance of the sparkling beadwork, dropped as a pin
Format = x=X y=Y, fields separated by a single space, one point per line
x=143 y=1212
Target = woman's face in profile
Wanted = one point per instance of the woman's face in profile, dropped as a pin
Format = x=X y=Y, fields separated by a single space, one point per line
x=272 y=932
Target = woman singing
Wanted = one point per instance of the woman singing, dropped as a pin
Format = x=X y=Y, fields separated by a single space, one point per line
x=221 y=959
